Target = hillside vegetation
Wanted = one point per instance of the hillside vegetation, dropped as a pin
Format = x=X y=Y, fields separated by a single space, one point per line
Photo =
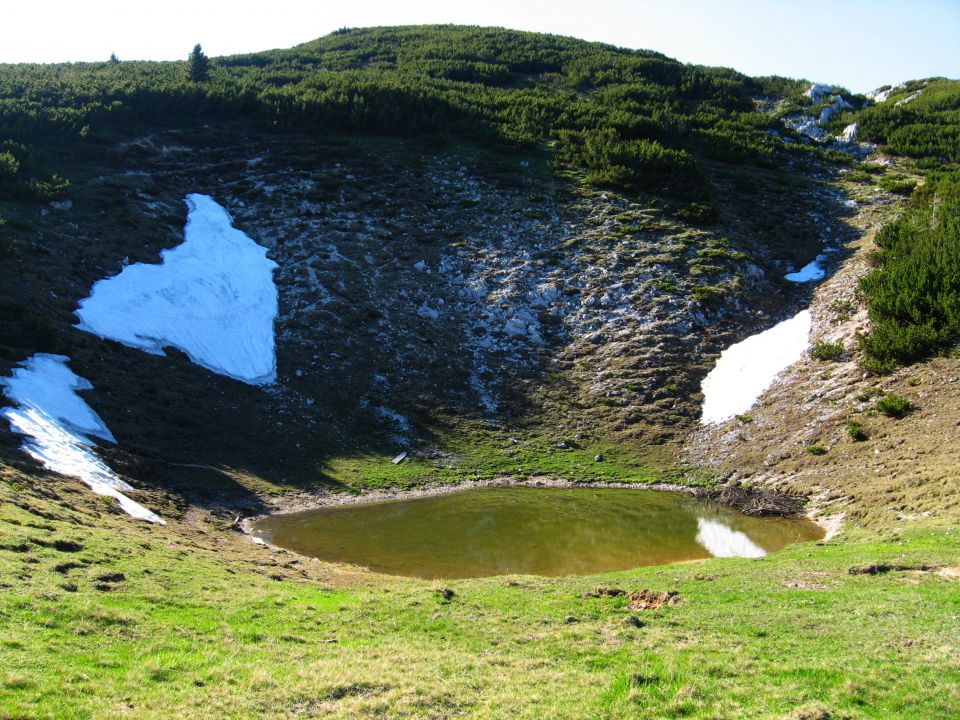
x=628 y=119
x=914 y=294
x=920 y=119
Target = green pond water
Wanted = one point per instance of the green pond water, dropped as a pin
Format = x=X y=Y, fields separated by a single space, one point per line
x=536 y=531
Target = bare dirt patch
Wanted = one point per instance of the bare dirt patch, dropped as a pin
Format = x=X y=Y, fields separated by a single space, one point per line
x=653 y=600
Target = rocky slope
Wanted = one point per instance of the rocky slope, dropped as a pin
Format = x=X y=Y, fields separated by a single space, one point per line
x=423 y=291
x=818 y=431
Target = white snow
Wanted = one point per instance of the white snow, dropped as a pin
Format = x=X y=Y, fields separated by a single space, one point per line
x=809 y=272
x=213 y=297
x=58 y=423
x=746 y=369
x=723 y=541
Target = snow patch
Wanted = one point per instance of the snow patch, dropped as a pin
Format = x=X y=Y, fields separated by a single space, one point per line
x=213 y=297
x=58 y=423
x=809 y=272
x=746 y=369
x=723 y=541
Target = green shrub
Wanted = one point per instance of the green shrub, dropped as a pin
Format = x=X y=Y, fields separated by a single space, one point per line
x=856 y=430
x=927 y=127
x=892 y=405
x=826 y=351
x=817 y=449
x=898 y=185
x=869 y=393
x=698 y=213
x=707 y=294
x=913 y=295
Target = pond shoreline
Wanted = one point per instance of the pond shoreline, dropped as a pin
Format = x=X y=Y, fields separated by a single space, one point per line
x=742 y=499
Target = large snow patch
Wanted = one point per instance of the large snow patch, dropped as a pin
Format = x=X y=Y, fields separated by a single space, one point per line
x=58 y=423
x=213 y=297
x=746 y=369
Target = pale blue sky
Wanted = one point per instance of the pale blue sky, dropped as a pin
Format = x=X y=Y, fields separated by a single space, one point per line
x=857 y=43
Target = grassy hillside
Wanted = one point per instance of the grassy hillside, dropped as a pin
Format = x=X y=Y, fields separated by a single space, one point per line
x=103 y=617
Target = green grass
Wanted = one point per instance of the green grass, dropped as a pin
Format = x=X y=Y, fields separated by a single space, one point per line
x=478 y=455
x=206 y=624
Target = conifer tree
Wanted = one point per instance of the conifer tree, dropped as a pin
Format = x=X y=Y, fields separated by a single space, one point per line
x=199 y=65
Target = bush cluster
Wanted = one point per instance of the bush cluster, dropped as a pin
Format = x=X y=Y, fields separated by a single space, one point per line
x=892 y=405
x=926 y=126
x=913 y=295
x=628 y=119
x=826 y=351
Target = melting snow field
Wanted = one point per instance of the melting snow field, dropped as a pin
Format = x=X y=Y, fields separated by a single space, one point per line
x=722 y=541
x=213 y=297
x=746 y=369
x=809 y=272
x=58 y=423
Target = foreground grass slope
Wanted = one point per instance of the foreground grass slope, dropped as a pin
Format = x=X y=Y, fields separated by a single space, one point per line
x=104 y=617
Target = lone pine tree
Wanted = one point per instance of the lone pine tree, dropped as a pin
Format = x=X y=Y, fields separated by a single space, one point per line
x=199 y=64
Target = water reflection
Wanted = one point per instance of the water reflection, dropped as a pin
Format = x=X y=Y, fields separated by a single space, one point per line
x=723 y=541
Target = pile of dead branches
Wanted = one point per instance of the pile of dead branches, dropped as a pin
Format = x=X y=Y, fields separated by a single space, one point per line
x=754 y=502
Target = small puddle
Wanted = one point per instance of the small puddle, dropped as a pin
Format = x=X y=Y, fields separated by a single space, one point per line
x=533 y=531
